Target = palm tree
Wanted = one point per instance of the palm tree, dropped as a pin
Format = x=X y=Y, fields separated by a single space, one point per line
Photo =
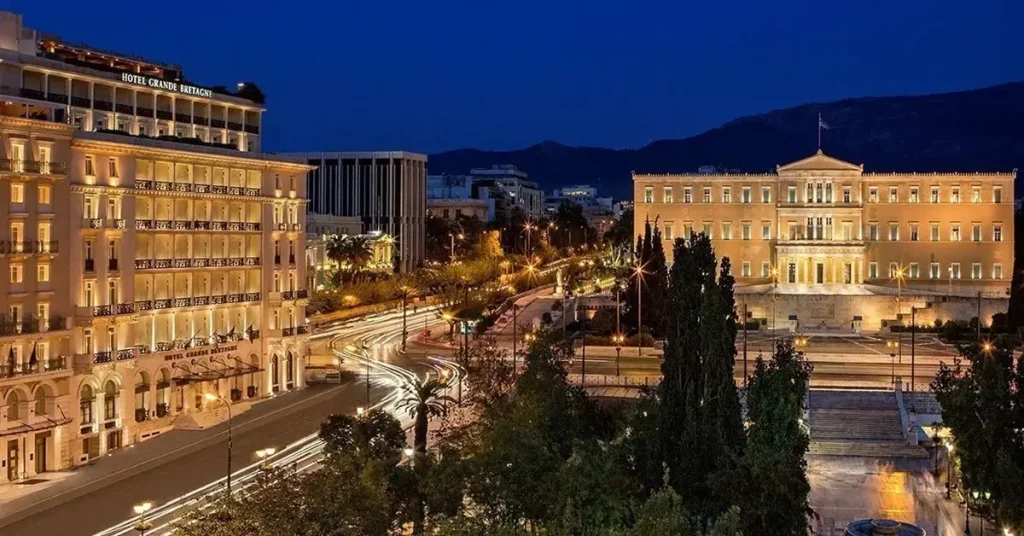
x=424 y=399
x=358 y=252
x=335 y=248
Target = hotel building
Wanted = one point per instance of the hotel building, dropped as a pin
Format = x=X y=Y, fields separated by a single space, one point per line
x=154 y=254
x=822 y=243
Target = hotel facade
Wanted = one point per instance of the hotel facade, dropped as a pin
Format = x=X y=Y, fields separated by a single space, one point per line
x=821 y=243
x=153 y=254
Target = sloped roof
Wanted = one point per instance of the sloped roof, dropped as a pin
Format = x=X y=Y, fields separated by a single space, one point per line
x=820 y=162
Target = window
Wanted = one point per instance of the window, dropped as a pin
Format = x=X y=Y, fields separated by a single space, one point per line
x=727 y=195
x=142 y=129
x=707 y=195
x=648 y=194
x=997 y=232
x=954 y=270
x=976 y=232
x=976 y=271
x=954 y=194
x=100 y=123
x=894 y=231
x=935 y=194
x=16 y=273
x=726 y=230
x=954 y=232
x=873 y=194
x=667 y=195
x=766 y=194
x=914 y=198
x=766 y=269
x=914 y=232
x=687 y=195
x=873 y=270
x=44 y=273
x=894 y=194
x=934 y=271
x=745 y=195
x=997 y=271
x=17 y=192
x=997 y=194
x=766 y=231
x=913 y=271
x=975 y=194
x=745 y=232
x=706 y=229
x=667 y=235
x=847 y=230
x=44 y=194
x=90 y=167
x=791 y=194
x=847 y=194
x=935 y=232
x=893 y=270
x=745 y=269
x=112 y=167
x=872 y=231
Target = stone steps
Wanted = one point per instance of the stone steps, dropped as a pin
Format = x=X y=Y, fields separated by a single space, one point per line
x=866 y=449
x=857 y=400
x=856 y=425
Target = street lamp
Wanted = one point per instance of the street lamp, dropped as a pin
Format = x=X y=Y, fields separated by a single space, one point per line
x=405 y=306
x=893 y=346
x=618 y=339
x=949 y=468
x=360 y=411
x=142 y=525
x=264 y=456
x=409 y=452
x=213 y=398
x=639 y=271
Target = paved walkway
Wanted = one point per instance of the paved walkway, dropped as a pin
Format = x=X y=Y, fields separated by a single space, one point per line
x=133 y=460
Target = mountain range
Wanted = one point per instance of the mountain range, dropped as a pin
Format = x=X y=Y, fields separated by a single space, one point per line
x=967 y=131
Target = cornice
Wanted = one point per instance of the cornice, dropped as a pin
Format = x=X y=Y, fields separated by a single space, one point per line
x=125 y=190
x=157 y=149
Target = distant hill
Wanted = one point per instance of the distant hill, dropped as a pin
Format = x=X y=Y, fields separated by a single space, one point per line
x=975 y=130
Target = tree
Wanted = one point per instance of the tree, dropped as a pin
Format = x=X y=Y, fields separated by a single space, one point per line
x=771 y=483
x=423 y=399
x=982 y=400
x=249 y=90
x=619 y=237
x=376 y=435
x=591 y=492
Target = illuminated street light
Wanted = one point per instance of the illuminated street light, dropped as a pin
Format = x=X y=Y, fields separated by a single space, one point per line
x=142 y=525
x=986 y=346
x=360 y=411
x=213 y=398
x=264 y=456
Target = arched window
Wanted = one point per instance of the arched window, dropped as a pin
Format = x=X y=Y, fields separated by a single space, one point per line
x=85 y=401
x=290 y=371
x=110 y=395
x=41 y=399
x=14 y=405
x=141 y=396
x=163 y=393
x=275 y=377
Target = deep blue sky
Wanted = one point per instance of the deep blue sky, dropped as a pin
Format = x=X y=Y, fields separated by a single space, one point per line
x=435 y=75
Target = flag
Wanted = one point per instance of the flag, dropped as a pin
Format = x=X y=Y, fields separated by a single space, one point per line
x=248 y=332
x=230 y=333
x=32 y=360
x=821 y=123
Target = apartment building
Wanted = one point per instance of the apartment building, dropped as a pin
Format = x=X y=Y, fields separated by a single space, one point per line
x=821 y=226
x=145 y=272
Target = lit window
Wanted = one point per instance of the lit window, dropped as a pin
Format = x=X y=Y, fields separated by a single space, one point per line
x=976 y=271
x=44 y=273
x=667 y=196
x=847 y=195
x=16 y=273
x=894 y=196
x=726 y=231
x=113 y=167
x=687 y=195
x=745 y=232
x=707 y=229
x=893 y=270
x=935 y=271
x=976 y=232
x=914 y=198
x=745 y=195
x=873 y=270
x=745 y=269
x=976 y=194
x=954 y=195
x=873 y=194
x=668 y=231
x=766 y=194
x=935 y=194
x=766 y=231
x=648 y=194
x=90 y=168
x=894 y=231
x=44 y=194
x=997 y=232
x=707 y=195
x=913 y=271
x=997 y=271
x=954 y=232
x=17 y=192
x=954 y=270
x=872 y=231
x=727 y=195
x=913 y=232
x=997 y=194
x=766 y=269
x=791 y=194
x=935 y=232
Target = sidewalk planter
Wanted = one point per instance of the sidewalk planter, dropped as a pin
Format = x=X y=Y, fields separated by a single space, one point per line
x=162 y=410
x=141 y=414
x=236 y=394
x=251 y=392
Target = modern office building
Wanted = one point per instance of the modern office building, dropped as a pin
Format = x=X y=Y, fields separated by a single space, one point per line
x=848 y=241
x=145 y=272
x=583 y=195
x=503 y=188
x=455 y=208
x=385 y=189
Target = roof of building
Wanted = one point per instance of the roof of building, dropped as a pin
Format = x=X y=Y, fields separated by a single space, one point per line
x=819 y=162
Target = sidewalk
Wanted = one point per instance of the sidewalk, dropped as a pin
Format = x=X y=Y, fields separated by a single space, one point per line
x=16 y=504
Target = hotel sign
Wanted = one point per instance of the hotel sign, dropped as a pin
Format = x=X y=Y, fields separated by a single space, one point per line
x=167 y=85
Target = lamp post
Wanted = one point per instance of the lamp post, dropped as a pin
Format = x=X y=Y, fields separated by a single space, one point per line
x=405 y=306
x=913 y=347
x=142 y=525
x=515 y=320
x=583 y=324
x=949 y=469
x=213 y=398
x=410 y=453
x=618 y=338
x=893 y=347
x=639 y=309
x=264 y=456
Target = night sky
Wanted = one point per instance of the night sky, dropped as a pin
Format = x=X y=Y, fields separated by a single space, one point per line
x=429 y=76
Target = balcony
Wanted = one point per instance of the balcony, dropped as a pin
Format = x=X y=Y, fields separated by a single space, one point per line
x=217 y=123
x=199 y=120
x=102 y=310
x=183 y=118
x=296 y=227
x=301 y=330
x=288 y=295
x=32 y=325
x=59 y=98
x=143 y=264
x=252 y=129
x=287 y=332
x=125 y=353
x=218 y=299
x=143 y=112
x=162 y=263
x=234 y=126
x=125 y=308
x=90 y=265
x=81 y=102
x=143 y=305
x=102 y=357
x=9 y=165
x=161 y=304
x=164 y=114
x=124 y=109
x=106 y=106
x=186 y=187
x=112 y=264
x=58 y=364
x=28 y=247
x=94 y=223
x=201 y=188
x=302 y=294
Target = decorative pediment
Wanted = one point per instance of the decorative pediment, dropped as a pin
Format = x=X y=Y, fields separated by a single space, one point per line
x=820 y=162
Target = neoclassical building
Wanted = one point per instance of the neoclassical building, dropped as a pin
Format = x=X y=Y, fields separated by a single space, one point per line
x=152 y=259
x=824 y=228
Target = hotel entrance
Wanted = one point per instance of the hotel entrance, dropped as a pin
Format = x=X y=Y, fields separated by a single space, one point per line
x=13 y=459
x=819 y=274
x=42 y=441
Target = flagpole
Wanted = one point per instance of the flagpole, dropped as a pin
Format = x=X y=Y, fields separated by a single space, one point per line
x=819 y=130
